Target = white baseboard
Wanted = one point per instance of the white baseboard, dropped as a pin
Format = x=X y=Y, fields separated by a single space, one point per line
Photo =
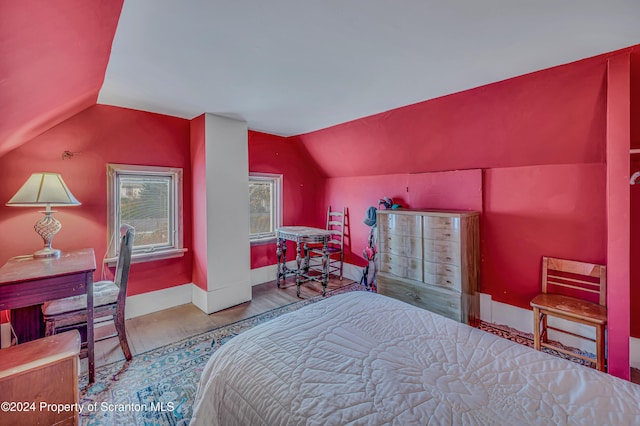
x=5 y=335
x=522 y=320
x=154 y=301
x=352 y=272
x=634 y=352
x=262 y=275
x=502 y=313
x=219 y=299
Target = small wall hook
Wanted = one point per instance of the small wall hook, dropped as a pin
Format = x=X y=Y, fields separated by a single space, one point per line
x=68 y=155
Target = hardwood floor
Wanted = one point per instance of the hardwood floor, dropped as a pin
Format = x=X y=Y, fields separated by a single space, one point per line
x=161 y=328
x=152 y=331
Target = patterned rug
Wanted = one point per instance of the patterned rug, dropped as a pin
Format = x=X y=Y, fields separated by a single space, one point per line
x=527 y=340
x=158 y=387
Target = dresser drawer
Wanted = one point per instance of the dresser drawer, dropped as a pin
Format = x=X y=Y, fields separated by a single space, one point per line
x=393 y=264
x=434 y=299
x=443 y=275
x=400 y=224
x=400 y=245
x=401 y=266
x=442 y=251
x=446 y=222
x=442 y=234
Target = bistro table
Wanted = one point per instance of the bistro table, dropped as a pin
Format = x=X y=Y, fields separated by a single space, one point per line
x=302 y=236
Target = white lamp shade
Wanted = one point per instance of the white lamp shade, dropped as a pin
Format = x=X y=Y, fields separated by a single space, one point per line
x=42 y=189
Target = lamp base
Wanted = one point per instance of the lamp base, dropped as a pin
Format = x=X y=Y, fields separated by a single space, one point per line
x=47 y=252
x=47 y=227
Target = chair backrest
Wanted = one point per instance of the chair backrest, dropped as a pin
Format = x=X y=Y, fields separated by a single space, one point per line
x=335 y=224
x=121 y=276
x=573 y=278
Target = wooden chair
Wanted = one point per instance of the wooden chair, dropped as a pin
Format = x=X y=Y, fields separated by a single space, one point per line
x=109 y=302
x=565 y=286
x=335 y=224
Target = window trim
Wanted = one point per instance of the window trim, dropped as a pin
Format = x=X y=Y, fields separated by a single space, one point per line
x=276 y=179
x=114 y=171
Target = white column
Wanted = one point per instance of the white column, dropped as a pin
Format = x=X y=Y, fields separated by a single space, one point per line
x=227 y=201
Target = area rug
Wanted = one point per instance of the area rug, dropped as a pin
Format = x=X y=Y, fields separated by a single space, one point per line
x=158 y=387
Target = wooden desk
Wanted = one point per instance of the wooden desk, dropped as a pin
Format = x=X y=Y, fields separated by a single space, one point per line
x=302 y=235
x=28 y=281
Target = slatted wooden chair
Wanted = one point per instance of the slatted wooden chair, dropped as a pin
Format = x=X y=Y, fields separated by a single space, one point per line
x=566 y=286
x=336 y=225
x=109 y=302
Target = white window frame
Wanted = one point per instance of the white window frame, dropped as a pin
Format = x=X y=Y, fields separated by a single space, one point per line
x=276 y=181
x=151 y=253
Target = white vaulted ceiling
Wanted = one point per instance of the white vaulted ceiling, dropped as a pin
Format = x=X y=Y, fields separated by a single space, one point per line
x=293 y=66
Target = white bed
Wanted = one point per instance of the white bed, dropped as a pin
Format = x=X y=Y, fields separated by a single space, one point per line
x=362 y=358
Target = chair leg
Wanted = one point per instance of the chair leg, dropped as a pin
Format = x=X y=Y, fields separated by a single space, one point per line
x=600 y=348
x=341 y=264
x=50 y=328
x=536 y=328
x=122 y=335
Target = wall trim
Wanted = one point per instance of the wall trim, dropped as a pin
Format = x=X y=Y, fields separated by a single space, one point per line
x=263 y=274
x=154 y=301
x=634 y=352
x=221 y=298
x=5 y=335
x=522 y=320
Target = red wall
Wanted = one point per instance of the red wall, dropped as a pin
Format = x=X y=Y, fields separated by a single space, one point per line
x=635 y=196
x=199 y=184
x=554 y=210
x=540 y=139
x=460 y=190
x=555 y=116
x=303 y=186
x=98 y=135
x=618 y=208
x=635 y=247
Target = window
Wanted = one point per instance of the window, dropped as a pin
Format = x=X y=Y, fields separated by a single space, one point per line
x=265 y=206
x=149 y=199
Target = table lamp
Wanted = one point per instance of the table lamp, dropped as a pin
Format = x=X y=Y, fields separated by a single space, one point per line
x=45 y=189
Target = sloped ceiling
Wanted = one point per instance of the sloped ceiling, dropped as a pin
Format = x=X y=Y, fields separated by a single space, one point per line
x=289 y=66
x=53 y=56
x=285 y=66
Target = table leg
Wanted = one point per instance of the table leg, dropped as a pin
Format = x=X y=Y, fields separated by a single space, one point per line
x=298 y=262
x=279 y=253
x=90 y=337
x=325 y=265
x=307 y=254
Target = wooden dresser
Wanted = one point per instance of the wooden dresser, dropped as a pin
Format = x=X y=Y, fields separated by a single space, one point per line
x=39 y=381
x=430 y=259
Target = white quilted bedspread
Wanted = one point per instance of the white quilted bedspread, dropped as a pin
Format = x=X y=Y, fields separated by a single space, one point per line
x=362 y=358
